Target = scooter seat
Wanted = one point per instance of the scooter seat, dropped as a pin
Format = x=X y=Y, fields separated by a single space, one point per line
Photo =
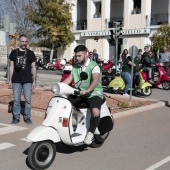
x=84 y=104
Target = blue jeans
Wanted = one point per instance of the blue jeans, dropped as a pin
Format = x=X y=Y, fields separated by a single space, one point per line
x=17 y=91
x=127 y=77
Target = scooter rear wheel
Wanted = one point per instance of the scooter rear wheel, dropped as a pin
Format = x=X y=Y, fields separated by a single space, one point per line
x=99 y=140
x=105 y=81
x=147 y=91
x=41 y=154
x=166 y=85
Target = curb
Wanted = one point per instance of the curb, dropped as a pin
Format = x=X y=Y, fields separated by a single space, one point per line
x=138 y=110
x=33 y=112
x=115 y=115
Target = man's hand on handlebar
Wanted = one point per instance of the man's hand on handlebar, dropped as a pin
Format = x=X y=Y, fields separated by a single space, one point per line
x=83 y=92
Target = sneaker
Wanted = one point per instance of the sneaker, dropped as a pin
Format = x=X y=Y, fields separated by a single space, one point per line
x=125 y=94
x=14 y=121
x=89 y=138
x=28 y=121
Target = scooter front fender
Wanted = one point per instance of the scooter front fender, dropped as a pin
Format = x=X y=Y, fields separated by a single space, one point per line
x=146 y=84
x=42 y=133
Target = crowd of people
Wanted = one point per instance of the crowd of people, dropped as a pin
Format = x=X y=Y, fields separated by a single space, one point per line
x=146 y=61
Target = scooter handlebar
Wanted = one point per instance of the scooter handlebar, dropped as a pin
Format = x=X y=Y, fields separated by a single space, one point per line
x=76 y=92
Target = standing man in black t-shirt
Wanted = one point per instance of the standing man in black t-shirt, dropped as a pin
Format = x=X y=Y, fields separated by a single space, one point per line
x=22 y=77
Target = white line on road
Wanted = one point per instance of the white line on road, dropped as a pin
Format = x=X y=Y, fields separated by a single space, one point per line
x=25 y=139
x=157 y=165
x=6 y=145
x=10 y=129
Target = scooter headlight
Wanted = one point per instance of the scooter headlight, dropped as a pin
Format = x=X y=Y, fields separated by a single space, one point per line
x=56 y=88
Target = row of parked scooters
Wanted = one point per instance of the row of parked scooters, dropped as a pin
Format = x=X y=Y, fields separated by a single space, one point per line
x=47 y=65
x=116 y=83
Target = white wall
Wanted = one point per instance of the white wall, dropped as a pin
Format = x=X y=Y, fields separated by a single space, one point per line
x=2 y=38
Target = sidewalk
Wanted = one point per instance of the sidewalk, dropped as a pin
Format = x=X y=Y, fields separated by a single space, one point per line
x=117 y=103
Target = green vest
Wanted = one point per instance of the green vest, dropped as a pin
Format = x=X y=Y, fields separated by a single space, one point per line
x=84 y=84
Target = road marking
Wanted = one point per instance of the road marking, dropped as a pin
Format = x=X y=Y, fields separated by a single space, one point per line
x=26 y=140
x=6 y=145
x=157 y=165
x=10 y=129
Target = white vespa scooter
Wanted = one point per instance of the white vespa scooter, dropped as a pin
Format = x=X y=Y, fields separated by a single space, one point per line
x=64 y=123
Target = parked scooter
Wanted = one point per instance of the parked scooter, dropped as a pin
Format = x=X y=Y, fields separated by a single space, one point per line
x=159 y=76
x=118 y=84
x=67 y=124
x=108 y=75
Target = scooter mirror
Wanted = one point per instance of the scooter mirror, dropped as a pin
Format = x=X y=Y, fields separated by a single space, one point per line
x=83 y=75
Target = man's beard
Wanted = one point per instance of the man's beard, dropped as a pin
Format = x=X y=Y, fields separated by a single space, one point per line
x=23 y=47
x=81 y=62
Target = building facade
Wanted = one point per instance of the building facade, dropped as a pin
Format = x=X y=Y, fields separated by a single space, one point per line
x=93 y=20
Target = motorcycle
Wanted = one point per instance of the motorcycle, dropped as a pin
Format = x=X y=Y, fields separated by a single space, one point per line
x=118 y=84
x=159 y=76
x=40 y=63
x=67 y=124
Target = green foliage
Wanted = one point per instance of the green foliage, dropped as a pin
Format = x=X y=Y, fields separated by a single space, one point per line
x=122 y=104
x=161 y=38
x=54 y=22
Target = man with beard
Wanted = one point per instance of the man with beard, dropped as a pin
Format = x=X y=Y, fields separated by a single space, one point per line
x=92 y=86
x=22 y=77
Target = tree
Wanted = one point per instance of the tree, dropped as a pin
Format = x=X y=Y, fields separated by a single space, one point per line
x=53 y=20
x=161 y=38
x=17 y=12
x=14 y=40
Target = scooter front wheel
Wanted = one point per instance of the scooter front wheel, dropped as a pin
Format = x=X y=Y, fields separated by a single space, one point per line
x=41 y=154
x=147 y=91
x=99 y=140
x=114 y=90
x=166 y=85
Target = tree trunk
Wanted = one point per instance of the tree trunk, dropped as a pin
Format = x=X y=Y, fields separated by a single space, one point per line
x=51 y=54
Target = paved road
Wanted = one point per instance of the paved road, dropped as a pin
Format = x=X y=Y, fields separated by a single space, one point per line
x=136 y=143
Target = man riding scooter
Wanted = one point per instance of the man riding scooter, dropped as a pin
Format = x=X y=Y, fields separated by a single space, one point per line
x=91 y=86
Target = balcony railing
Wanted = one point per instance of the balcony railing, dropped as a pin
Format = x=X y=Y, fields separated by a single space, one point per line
x=110 y=21
x=157 y=19
x=80 y=25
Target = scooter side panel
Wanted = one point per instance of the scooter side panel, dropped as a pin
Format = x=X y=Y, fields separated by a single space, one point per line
x=117 y=82
x=165 y=78
x=146 y=84
x=104 y=110
x=42 y=133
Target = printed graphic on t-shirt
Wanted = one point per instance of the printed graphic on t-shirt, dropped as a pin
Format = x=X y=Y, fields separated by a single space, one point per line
x=21 y=62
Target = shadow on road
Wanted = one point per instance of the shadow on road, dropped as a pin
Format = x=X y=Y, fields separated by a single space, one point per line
x=167 y=103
